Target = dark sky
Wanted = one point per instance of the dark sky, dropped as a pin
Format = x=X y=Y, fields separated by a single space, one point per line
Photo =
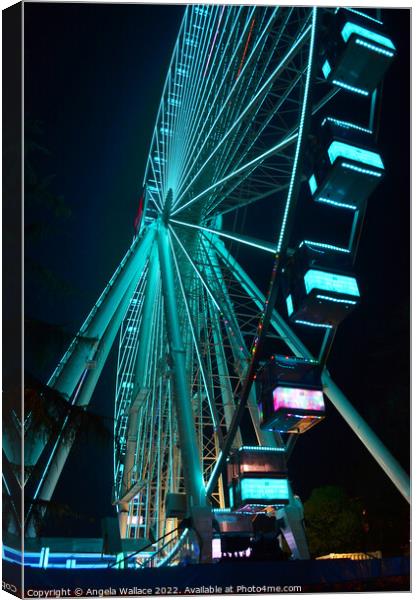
x=93 y=78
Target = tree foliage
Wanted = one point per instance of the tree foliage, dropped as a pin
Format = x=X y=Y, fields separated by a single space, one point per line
x=333 y=521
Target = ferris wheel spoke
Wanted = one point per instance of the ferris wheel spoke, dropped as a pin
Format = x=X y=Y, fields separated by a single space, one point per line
x=236 y=153
x=194 y=266
x=241 y=171
x=190 y=73
x=212 y=406
x=259 y=244
x=227 y=203
x=158 y=188
x=236 y=88
x=198 y=95
x=196 y=128
x=258 y=97
x=239 y=350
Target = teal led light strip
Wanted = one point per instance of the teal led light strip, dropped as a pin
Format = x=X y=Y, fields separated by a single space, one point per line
x=352 y=28
x=350 y=88
x=362 y=14
x=264 y=489
x=290 y=306
x=300 y=137
x=332 y=282
x=335 y=203
x=360 y=170
x=341 y=149
x=260 y=449
x=326 y=246
x=301 y=322
x=376 y=49
x=339 y=300
x=345 y=124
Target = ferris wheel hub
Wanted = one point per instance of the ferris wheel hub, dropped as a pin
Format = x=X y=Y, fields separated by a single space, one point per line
x=167 y=207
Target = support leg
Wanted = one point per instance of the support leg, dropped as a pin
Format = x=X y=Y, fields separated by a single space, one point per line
x=193 y=476
x=291 y=520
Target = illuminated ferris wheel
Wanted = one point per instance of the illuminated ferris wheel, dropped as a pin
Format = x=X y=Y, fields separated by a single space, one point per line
x=244 y=88
x=248 y=128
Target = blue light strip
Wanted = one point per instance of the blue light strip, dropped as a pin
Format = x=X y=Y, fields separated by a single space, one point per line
x=260 y=449
x=350 y=88
x=360 y=170
x=58 y=560
x=332 y=282
x=325 y=246
x=335 y=203
x=362 y=14
x=376 y=49
x=330 y=299
x=46 y=558
x=301 y=322
x=345 y=124
x=294 y=172
x=352 y=28
x=341 y=149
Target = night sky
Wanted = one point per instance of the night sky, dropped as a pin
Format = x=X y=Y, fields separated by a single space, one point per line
x=93 y=79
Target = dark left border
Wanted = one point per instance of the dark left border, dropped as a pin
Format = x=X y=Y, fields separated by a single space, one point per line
x=12 y=240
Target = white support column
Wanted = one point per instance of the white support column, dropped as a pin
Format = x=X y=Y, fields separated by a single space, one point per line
x=193 y=475
x=292 y=527
x=141 y=364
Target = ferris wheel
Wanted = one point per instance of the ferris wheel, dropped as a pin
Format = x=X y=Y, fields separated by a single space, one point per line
x=247 y=126
x=231 y=132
